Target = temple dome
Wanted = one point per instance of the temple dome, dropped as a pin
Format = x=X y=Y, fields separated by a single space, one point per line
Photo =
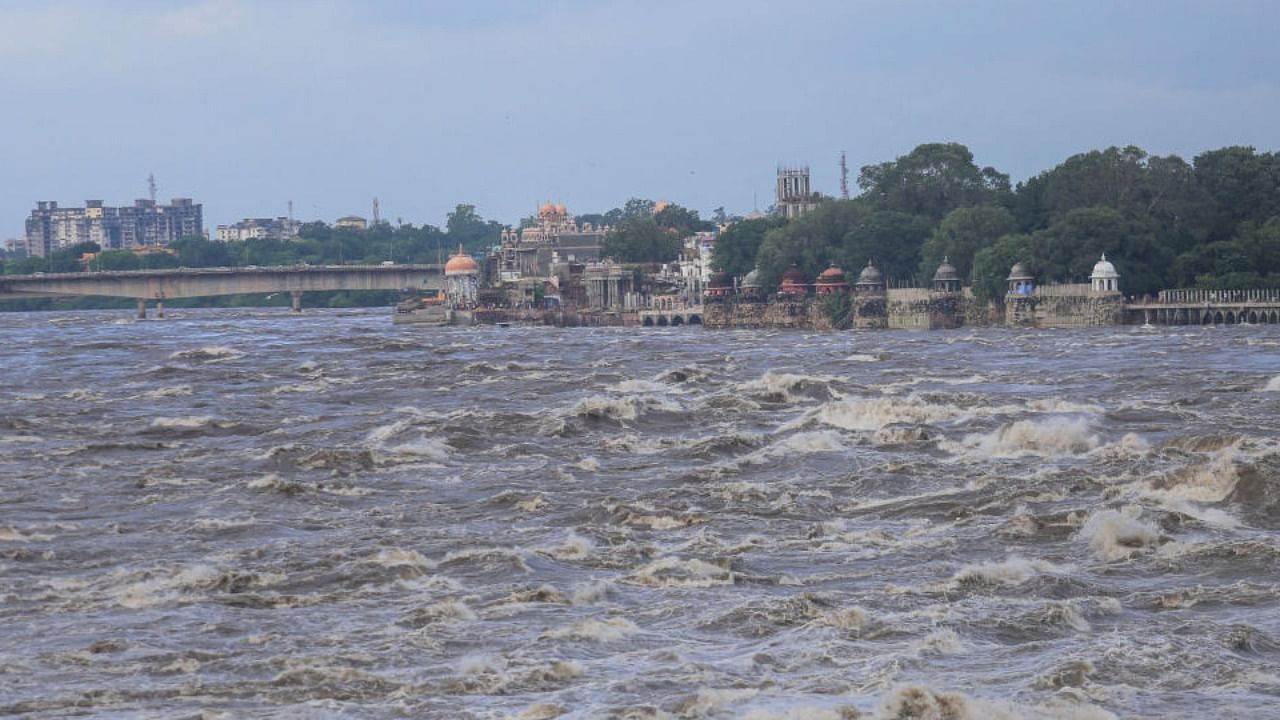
x=831 y=276
x=461 y=263
x=794 y=276
x=870 y=275
x=1104 y=269
x=752 y=280
x=1020 y=272
x=561 y=209
x=946 y=271
x=547 y=209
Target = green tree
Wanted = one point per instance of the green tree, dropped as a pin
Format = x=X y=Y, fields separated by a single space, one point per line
x=640 y=240
x=892 y=240
x=637 y=207
x=988 y=277
x=680 y=220
x=196 y=251
x=932 y=180
x=476 y=235
x=1242 y=184
x=1067 y=250
x=812 y=241
x=961 y=234
x=736 y=248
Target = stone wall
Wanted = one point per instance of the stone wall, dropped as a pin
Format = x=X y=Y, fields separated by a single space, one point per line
x=920 y=309
x=1066 y=309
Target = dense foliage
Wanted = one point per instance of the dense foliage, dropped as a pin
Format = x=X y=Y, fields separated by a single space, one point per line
x=1163 y=222
x=646 y=236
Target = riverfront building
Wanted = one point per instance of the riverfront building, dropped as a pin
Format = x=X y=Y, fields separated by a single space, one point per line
x=51 y=228
x=555 y=238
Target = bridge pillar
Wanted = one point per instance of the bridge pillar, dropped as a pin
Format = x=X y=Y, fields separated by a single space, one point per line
x=142 y=309
x=160 y=309
x=297 y=300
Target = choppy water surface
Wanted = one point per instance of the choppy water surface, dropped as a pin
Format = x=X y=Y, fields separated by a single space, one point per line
x=254 y=514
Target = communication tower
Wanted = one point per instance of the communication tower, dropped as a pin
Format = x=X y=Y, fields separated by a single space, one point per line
x=151 y=187
x=844 y=177
x=376 y=214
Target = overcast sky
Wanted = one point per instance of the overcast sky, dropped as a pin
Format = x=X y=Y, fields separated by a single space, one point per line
x=247 y=104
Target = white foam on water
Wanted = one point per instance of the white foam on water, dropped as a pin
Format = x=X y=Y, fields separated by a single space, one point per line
x=424 y=447
x=592 y=592
x=1273 y=385
x=801 y=712
x=874 y=413
x=395 y=558
x=587 y=464
x=1014 y=570
x=20 y=439
x=783 y=384
x=165 y=392
x=675 y=572
x=708 y=702
x=185 y=422
x=602 y=631
x=1051 y=437
x=12 y=534
x=626 y=407
x=914 y=702
x=1118 y=534
x=573 y=547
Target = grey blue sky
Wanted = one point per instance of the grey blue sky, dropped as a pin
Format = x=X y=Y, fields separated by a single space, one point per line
x=246 y=104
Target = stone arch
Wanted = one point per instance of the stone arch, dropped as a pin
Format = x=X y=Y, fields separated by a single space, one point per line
x=662 y=321
x=1231 y=318
x=1253 y=317
x=676 y=320
x=1207 y=319
x=1217 y=318
x=695 y=319
x=648 y=321
x=1275 y=317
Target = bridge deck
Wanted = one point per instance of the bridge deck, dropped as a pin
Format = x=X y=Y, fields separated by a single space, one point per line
x=202 y=282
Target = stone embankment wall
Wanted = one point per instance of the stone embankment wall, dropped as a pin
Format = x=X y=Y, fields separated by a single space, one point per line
x=1065 y=310
x=920 y=309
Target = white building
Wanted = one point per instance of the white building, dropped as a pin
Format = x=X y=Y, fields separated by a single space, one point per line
x=254 y=228
x=1104 y=277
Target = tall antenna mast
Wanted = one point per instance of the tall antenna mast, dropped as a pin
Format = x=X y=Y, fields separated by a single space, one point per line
x=151 y=187
x=844 y=176
x=376 y=215
x=290 y=211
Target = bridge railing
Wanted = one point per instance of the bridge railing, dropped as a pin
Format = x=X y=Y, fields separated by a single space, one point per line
x=1199 y=297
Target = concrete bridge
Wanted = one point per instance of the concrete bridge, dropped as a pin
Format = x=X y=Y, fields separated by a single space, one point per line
x=161 y=285
x=1208 y=307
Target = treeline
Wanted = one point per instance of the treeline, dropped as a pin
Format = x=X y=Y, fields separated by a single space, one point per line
x=1213 y=223
x=643 y=233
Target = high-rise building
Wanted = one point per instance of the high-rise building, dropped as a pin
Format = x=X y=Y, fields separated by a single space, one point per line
x=144 y=223
x=794 y=198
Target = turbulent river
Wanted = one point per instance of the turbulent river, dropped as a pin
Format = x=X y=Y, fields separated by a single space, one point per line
x=243 y=513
